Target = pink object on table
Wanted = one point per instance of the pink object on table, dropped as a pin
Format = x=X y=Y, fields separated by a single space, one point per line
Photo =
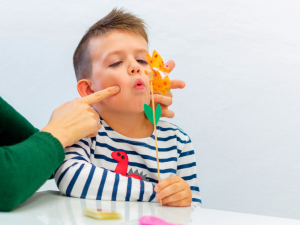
x=152 y=220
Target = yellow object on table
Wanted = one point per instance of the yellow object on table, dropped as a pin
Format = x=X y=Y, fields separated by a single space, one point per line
x=100 y=214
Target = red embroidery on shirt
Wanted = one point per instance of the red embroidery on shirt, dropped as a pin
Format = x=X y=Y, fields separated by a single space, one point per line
x=122 y=165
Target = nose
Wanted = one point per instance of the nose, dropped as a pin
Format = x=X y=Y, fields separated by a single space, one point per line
x=134 y=68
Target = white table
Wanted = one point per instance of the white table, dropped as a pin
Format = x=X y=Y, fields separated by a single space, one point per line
x=50 y=207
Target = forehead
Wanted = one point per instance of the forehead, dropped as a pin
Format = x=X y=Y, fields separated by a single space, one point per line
x=116 y=41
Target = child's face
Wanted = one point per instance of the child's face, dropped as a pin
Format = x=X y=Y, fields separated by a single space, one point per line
x=118 y=58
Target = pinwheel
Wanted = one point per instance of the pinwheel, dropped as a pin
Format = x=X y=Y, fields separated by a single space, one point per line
x=159 y=82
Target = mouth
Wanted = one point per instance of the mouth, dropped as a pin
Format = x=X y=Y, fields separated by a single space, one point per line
x=139 y=84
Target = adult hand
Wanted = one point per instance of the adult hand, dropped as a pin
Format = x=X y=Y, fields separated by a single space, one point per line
x=174 y=191
x=166 y=100
x=76 y=119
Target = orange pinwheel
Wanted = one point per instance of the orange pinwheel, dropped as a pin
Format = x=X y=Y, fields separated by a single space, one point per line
x=161 y=81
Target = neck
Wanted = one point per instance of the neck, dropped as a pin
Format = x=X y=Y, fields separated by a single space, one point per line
x=128 y=124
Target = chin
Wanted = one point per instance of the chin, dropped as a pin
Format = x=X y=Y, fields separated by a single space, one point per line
x=138 y=107
x=128 y=105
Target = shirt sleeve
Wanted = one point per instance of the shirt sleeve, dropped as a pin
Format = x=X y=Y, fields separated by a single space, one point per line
x=186 y=167
x=78 y=177
x=27 y=157
x=14 y=128
x=25 y=166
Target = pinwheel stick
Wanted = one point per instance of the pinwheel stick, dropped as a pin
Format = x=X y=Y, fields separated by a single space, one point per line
x=150 y=74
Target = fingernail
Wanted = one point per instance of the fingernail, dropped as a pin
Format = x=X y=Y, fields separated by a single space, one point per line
x=117 y=88
x=156 y=189
x=158 y=196
x=154 y=97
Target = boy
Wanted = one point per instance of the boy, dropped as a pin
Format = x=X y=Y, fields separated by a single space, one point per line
x=119 y=164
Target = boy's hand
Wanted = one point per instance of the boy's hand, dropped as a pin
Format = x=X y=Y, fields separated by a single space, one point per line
x=166 y=100
x=174 y=191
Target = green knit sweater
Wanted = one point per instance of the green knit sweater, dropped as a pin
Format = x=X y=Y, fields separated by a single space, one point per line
x=27 y=157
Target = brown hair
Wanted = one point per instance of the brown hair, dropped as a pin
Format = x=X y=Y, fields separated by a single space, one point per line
x=117 y=19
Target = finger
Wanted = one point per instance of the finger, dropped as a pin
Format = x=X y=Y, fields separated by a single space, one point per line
x=97 y=120
x=170 y=64
x=96 y=127
x=166 y=182
x=175 y=84
x=181 y=203
x=165 y=112
x=94 y=123
x=94 y=113
x=63 y=105
x=92 y=135
x=169 y=94
x=175 y=197
x=92 y=110
x=157 y=92
x=170 y=191
x=99 y=125
x=100 y=95
x=164 y=100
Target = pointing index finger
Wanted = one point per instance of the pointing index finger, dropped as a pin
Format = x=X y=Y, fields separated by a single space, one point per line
x=100 y=95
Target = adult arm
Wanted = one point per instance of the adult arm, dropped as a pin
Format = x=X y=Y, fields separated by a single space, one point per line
x=27 y=159
x=25 y=166
x=14 y=128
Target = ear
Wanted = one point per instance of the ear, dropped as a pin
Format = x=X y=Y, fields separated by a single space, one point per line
x=84 y=87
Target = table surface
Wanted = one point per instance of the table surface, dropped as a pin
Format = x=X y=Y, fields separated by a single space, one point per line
x=50 y=207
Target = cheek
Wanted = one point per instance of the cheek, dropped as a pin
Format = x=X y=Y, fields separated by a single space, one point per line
x=125 y=84
x=98 y=84
x=109 y=81
x=118 y=78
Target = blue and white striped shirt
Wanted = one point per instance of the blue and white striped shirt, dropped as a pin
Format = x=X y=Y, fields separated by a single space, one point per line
x=87 y=171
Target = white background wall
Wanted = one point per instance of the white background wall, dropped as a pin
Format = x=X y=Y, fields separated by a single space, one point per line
x=241 y=64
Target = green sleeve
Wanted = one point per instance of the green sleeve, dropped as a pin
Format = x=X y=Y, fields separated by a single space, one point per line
x=14 y=128
x=26 y=166
x=27 y=157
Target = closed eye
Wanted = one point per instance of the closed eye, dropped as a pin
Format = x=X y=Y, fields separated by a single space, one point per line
x=142 y=61
x=115 y=64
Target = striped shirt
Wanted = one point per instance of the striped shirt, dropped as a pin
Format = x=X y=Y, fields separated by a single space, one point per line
x=88 y=169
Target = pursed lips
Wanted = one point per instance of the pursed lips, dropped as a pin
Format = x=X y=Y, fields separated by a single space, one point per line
x=139 y=84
